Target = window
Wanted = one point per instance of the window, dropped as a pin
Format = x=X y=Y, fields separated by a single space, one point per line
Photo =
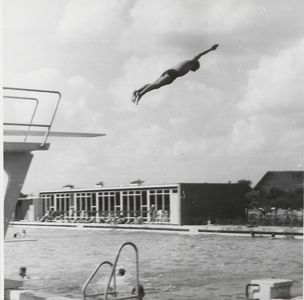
x=125 y=203
x=159 y=204
x=94 y=200
x=152 y=199
x=144 y=198
x=167 y=202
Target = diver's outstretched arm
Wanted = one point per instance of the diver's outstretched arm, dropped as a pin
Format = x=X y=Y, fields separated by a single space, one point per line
x=197 y=57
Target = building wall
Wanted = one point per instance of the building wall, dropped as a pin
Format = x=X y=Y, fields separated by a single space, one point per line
x=38 y=212
x=214 y=202
x=175 y=209
x=185 y=202
x=129 y=201
x=22 y=208
x=24 y=205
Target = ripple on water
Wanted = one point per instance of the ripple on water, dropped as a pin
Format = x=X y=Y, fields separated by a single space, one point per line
x=172 y=266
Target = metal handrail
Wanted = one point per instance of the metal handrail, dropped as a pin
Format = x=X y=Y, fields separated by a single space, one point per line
x=54 y=113
x=113 y=274
x=26 y=98
x=84 y=295
x=26 y=124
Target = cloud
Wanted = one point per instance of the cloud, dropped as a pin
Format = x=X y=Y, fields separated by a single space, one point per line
x=93 y=19
x=43 y=78
x=75 y=111
x=196 y=148
x=241 y=108
x=273 y=104
x=276 y=85
x=247 y=137
x=166 y=18
x=22 y=111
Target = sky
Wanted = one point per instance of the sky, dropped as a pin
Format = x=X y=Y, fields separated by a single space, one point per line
x=239 y=116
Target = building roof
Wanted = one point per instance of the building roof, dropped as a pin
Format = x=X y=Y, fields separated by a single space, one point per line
x=285 y=180
x=117 y=188
x=129 y=187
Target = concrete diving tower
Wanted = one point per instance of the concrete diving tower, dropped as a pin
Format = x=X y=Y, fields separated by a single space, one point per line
x=25 y=110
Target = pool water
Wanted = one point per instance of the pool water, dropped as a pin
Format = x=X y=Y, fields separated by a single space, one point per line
x=171 y=265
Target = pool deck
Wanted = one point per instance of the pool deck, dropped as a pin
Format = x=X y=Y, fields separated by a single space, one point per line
x=277 y=231
x=30 y=295
x=14 y=291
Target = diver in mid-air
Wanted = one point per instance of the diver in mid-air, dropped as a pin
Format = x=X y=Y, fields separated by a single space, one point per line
x=171 y=74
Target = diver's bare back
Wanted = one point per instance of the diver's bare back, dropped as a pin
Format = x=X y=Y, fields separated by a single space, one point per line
x=183 y=67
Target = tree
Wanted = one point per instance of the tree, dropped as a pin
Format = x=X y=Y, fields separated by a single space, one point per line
x=247 y=183
x=292 y=198
x=250 y=194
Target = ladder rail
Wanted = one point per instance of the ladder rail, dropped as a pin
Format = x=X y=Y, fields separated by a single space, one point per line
x=99 y=294
x=125 y=297
x=113 y=274
x=84 y=295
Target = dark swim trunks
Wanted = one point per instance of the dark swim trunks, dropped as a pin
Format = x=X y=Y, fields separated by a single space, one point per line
x=172 y=73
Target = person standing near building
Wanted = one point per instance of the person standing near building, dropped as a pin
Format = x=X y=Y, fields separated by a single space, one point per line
x=152 y=213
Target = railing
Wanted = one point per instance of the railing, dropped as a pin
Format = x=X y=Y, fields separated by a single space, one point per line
x=84 y=288
x=136 y=296
x=112 y=290
x=28 y=99
x=30 y=123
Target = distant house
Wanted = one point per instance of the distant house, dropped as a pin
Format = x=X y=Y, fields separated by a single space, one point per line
x=284 y=180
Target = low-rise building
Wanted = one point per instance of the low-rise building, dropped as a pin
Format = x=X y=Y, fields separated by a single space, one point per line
x=179 y=203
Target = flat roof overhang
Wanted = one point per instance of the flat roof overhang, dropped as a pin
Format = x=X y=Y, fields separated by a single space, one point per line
x=114 y=188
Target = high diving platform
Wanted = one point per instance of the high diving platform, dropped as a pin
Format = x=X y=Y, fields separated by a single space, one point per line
x=27 y=133
x=28 y=116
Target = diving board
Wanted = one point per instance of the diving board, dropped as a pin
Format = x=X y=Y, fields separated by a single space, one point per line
x=17 y=155
x=12 y=132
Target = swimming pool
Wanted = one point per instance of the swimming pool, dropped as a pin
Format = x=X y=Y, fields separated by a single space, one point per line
x=171 y=265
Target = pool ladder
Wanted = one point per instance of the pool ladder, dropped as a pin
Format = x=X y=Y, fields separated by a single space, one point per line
x=112 y=291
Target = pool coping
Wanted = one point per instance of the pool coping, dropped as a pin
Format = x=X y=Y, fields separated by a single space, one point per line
x=220 y=229
x=33 y=295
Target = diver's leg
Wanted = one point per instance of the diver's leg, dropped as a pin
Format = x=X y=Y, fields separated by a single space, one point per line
x=135 y=93
x=164 y=80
